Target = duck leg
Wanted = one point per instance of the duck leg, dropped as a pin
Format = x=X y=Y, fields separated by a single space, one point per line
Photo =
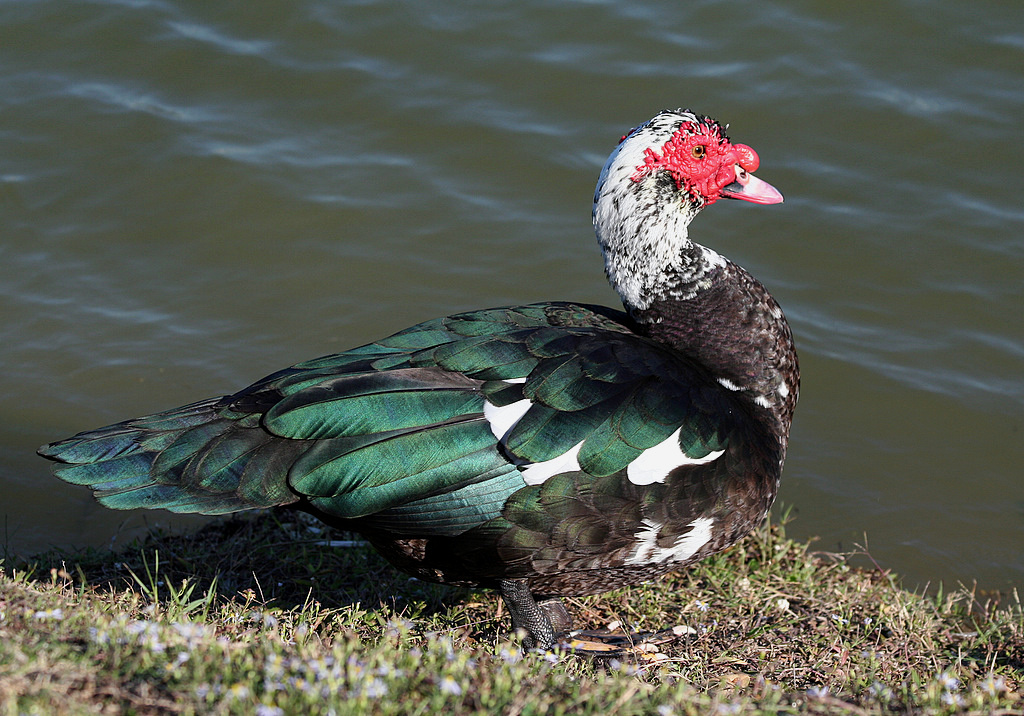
x=542 y=621
x=546 y=620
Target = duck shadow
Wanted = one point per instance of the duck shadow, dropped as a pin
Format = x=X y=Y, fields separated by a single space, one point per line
x=274 y=559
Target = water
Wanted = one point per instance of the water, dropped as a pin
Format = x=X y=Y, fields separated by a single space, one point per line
x=195 y=194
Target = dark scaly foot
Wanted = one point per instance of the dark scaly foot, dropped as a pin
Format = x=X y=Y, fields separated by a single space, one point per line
x=547 y=620
x=542 y=621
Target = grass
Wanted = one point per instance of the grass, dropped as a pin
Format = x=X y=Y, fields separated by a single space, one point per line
x=260 y=616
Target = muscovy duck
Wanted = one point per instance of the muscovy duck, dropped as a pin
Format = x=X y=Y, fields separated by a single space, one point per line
x=543 y=450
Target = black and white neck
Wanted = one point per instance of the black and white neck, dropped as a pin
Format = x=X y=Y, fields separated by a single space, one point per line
x=642 y=220
x=680 y=293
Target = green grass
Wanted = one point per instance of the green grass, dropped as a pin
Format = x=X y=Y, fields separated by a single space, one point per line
x=259 y=616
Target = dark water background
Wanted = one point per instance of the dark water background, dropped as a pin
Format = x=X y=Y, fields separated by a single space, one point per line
x=195 y=194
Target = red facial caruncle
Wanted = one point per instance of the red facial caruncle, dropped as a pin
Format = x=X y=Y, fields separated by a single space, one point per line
x=701 y=160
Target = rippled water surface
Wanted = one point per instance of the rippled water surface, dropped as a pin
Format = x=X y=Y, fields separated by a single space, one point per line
x=195 y=194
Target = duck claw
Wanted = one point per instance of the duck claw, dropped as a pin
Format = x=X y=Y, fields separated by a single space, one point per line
x=605 y=642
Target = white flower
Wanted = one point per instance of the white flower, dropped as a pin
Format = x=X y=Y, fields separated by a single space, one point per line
x=948 y=681
x=449 y=685
x=274 y=665
x=880 y=691
x=189 y=631
x=951 y=699
x=238 y=691
x=993 y=685
x=377 y=688
x=55 y=614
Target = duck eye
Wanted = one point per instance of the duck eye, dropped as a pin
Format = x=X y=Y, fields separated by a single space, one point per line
x=698 y=151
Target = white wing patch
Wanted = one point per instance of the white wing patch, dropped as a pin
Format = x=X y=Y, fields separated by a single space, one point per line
x=536 y=473
x=728 y=384
x=763 y=401
x=502 y=419
x=649 y=552
x=655 y=463
x=652 y=465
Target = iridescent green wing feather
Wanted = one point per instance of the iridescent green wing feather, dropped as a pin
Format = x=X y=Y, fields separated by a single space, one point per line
x=396 y=429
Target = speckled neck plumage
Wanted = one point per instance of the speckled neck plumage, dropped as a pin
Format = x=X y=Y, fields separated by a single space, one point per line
x=728 y=322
